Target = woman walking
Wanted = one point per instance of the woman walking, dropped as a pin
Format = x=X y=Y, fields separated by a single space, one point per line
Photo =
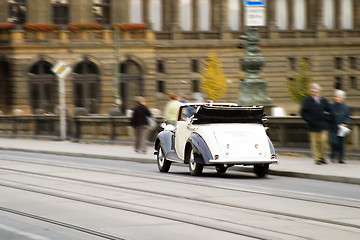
x=340 y=118
x=140 y=124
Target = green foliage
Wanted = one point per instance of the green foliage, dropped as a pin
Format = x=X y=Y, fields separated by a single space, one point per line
x=299 y=87
x=213 y=79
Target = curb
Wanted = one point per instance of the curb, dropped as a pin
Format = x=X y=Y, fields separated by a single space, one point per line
x=70 y=154
x=329 y=178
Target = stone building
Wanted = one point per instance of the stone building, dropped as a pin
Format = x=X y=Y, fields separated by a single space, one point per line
x=169 y=56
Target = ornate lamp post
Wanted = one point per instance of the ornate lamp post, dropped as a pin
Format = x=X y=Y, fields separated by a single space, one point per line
x=253 y=87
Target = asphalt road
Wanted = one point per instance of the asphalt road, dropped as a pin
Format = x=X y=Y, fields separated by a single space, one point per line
x=60 y=197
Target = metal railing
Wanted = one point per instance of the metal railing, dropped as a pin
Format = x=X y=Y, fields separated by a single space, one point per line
x=283 y=131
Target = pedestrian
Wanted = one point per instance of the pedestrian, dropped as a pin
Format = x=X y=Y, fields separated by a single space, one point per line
x=315 y=110
x=140 y=124
x=171 y=110
x=340 y=117
x=188 y=111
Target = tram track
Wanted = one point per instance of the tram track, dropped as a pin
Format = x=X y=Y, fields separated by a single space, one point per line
x=151 y=212
x=161 y=177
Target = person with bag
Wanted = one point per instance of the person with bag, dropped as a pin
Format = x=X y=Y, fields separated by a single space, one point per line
x=340 y=116
x=315 y=110
x=139 y=121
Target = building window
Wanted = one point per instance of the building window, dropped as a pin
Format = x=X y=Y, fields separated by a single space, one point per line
x=204 y=13
x=87 y=86
x=195 y=85
x=160 y=86
x=353 y=84
x=101 y=10
x=307 y=62
x=353 y=63
x=155 y=16
x=338 y=83
x=347 y=14
x=60 y=14
x=194 y=65
x=160 y=67
x=136 y=9
x=329 y=13
x=292 y=63
x=299 y=13
x=17 y=11
x=338 y=63
x=241 y=64
x=186 y=15
x=234 y=14
x=282 y=19
x=43 y=87
x=5 y=85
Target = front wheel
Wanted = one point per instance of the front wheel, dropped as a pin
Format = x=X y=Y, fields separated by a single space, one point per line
x=162 y=162
x=261 y=170
x=194 y=168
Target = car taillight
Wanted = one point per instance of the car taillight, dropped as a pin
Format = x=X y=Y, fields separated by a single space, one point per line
x=216 y=157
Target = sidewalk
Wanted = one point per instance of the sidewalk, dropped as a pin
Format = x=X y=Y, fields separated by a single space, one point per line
x=291 y=163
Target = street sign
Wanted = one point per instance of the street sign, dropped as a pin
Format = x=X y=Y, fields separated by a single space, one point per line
x=255 y=16
x=255 y=12
x=61 y=69
x=257 y=3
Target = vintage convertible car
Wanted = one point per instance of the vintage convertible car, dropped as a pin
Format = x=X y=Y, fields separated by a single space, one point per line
x=220 y=135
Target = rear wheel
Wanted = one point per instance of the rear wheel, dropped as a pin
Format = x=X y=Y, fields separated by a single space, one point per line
x=221 y=169
x=194 y=168
x=162 y=162
x=261 y=170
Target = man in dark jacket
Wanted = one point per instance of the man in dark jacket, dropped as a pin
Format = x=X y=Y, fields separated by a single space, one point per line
x=315 y=110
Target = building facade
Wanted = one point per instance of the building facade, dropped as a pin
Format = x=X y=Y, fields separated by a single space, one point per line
x=167 y=53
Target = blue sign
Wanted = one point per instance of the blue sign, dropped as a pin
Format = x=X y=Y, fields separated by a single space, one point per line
x=258 y=3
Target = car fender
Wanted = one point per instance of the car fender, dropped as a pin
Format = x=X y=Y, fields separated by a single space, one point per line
x=272 y=149
x=202 y=152
x=165 y=140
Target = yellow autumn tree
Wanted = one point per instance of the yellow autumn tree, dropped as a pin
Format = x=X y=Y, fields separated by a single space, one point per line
x=213 y=79
x=299 y=87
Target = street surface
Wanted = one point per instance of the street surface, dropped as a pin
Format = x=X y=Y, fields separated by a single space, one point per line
x=60 y=197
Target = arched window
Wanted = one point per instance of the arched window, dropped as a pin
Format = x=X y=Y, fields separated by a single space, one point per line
x=42 y=87
x=131 y=83
x=87 y=86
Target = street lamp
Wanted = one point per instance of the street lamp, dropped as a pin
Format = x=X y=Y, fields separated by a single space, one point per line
x=253 y=88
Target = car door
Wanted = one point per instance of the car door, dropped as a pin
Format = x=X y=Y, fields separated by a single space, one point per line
x=182 y=133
